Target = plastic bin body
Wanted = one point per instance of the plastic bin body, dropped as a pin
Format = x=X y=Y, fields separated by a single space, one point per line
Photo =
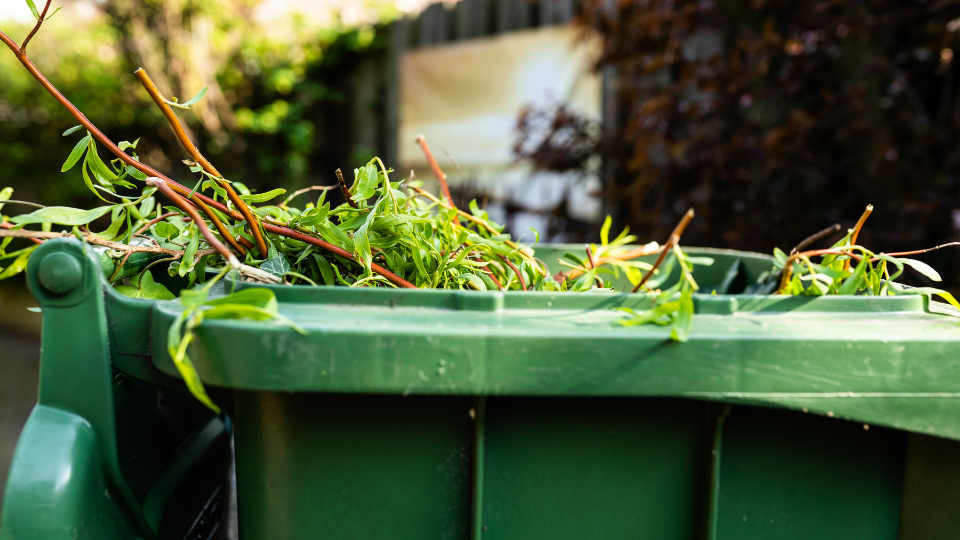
x=449 y=414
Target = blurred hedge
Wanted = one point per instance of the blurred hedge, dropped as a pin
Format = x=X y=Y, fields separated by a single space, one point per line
x=274 y=94
x=775 y=119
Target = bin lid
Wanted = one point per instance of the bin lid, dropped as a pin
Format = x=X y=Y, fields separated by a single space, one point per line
x=885 y=360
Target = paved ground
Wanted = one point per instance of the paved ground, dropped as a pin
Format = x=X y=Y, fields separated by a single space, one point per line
x=19 y=366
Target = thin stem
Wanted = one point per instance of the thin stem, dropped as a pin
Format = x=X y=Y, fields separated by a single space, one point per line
x=289 y=233
x=814 y=237
x=119 y=267
x=344 y=189
x=154 y=221
x=919 y=251
x=40 y=236
x=441 y=178
x=191 y=149
x=667 y=247
x=515 y=271
x=26 y=203
x=5 y=225
x=493 y=278
x=302 y=191
x=43 y=14
x=202 y=201
x=593 y=265
x=221 y=228
x=204 y=230
x=856 y=231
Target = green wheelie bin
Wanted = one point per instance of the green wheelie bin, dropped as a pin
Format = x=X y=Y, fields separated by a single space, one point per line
x=434 y=414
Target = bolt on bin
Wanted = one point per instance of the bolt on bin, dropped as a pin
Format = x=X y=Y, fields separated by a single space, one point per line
x=492 y=415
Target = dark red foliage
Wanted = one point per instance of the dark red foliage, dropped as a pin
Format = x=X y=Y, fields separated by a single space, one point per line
x=774 y=119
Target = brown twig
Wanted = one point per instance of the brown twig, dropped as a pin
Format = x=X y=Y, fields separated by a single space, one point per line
x=154 y=221
x=189 y=209
x=814 y=237
x=289 y=233
x=195 y=154
x=344 y=189
x=493 y=278
x=43 y=14
x=919 y=251
x=672 y=241
x=856 y=231
x=40 y=236
x=441 y=178
x=119 y=267
x=304 y=190
x=202 y=201
x=6 y=225
x=515 y=271
x=593 y=265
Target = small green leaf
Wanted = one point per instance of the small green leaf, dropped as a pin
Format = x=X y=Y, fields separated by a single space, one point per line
x=605 y=231
x=124 y=144
x=74 y=129
x=18 y=265
x=62 y=215
x=475 y=280
x=186 y=261
x=258 y=297
x=192 y=101
x=33 y=9
x=263 y=197
x=361 y=245
x=136 y=173
x=684 y=318
x=50 y=16
x=923 y=268
x=166 y=230
x=927 y=291
x=193 y=297
x=326 y=270
x=5 y=195
x=146 y=289
x=75 y=154
x=277 y=266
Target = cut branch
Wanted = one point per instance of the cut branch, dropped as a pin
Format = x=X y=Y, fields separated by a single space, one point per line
x=201 y=201
x=814 y=237
x=40 y=236
x=345 y=190
x=856 y=231
x=299 y=192
x=195 y=154
x=441 y=178
x=672 y=241
x=43 y=15
x=191 y=211
x=515 y=271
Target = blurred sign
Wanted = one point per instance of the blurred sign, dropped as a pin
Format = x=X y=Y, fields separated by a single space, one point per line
x=465 y=98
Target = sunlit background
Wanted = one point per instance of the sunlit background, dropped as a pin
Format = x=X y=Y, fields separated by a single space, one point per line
x=772 y=119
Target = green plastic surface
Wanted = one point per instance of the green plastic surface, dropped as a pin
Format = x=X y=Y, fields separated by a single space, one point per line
x=102 y=446
x=455 y=414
